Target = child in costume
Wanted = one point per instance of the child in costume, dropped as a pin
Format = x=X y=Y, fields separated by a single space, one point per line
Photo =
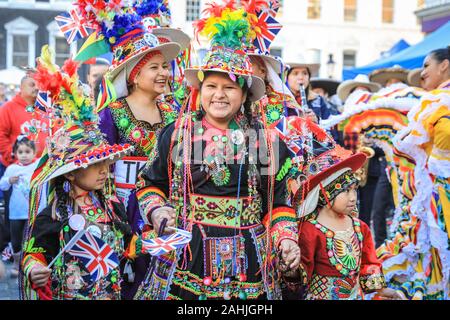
x=338 y=259
x=75 y=170
x=17 y=176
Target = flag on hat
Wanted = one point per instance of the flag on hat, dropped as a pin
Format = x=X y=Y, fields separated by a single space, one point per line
x=267 y=29
x=73 y=25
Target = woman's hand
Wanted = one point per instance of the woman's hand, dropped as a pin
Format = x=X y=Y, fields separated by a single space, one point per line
x=290 y=255
x=389 y=294
x=39 y=275
x=164 y=213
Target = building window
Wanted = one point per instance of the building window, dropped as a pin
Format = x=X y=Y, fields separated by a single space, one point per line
x=349 y=59
x=350 y=10
x=192 y=10
x=314 y=9
x=20 y=50
x=20 y=43
x=276 y=52
x=388 y=11
x=58 y=43
x=62 y=50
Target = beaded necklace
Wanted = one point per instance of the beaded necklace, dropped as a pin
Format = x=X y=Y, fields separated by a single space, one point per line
x=178 y=178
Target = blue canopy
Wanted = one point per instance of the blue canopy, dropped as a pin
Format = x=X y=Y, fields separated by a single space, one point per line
x=396 y=48
x=409 y=58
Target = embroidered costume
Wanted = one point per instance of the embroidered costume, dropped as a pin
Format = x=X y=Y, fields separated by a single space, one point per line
x=338 y=265
x=335 y=265
x=233 y=202
x=416 y=258
x=147 y=33
x=77 y=144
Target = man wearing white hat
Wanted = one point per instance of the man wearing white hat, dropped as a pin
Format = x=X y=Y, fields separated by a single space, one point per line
x=392 y=79
x=354 y=92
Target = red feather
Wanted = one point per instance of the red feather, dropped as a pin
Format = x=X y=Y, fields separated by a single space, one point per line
x=48 y=82
x=319 y=133
x=215 y=10
x=254 y=6
x=198 y=25
x=70 y=67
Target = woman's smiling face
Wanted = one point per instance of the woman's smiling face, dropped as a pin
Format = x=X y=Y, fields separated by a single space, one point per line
x=221 y=97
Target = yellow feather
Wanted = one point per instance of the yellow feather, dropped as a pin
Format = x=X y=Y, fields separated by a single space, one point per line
x=46 y=59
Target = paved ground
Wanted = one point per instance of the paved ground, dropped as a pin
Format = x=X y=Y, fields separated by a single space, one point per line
x=9 y=289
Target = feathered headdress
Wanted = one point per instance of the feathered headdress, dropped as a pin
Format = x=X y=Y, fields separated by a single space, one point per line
x=123 y=29
x=229 y=32
x=75 y=141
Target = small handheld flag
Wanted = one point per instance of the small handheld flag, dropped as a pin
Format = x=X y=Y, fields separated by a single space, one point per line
x=97 y=256
x=165 y=244
x=43 y=101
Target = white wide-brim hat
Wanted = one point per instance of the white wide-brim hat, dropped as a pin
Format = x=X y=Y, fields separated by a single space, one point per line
x=313 y=67
x=381 y=76
x=415 y=77
x=174 y=35
x=119 y=75
x=361 y=80
x=116 y=153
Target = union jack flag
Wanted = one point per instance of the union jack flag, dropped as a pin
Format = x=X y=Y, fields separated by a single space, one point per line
x=43 y=101
x=274 y=6
x=269 y=29
x=289 y=134
x=73 y=26
x=97 y=257
x=165 y=244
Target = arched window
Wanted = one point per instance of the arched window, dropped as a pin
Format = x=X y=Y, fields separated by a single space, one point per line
x=20 y=43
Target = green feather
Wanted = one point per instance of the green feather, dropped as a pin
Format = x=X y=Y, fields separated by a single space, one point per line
x=230 y=33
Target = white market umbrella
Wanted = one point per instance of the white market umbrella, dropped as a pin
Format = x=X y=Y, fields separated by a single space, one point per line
x=11 y=75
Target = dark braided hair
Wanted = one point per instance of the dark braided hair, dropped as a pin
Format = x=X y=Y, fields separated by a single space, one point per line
x=119 y=218
x=440 y=55
x=62 y=200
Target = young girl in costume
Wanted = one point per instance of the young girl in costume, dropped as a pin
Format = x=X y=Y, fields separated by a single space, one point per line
x=75 y=170
x=338 y=259
x=18 y=177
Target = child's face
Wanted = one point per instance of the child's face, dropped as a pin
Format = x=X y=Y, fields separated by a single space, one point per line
x=25 y=154
x=92 y=178
x=345 y=202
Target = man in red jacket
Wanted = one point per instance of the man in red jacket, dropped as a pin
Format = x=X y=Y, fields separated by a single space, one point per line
x=19 y=117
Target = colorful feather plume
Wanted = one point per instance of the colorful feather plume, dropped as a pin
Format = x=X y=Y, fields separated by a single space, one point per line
x=226 y=26
x=110 y=18
x=69 y=100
